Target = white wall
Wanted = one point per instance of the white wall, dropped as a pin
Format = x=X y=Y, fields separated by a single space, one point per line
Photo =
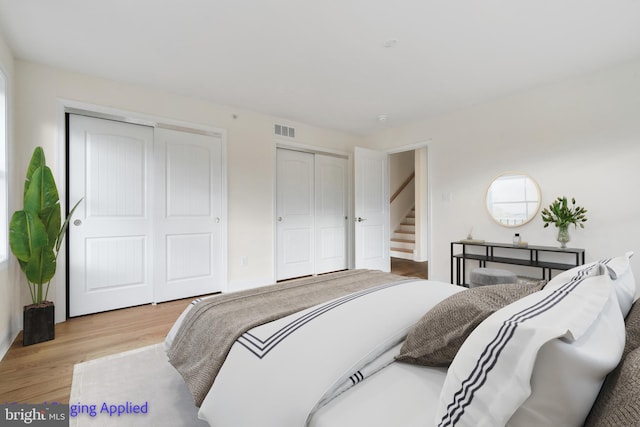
x=250 y=151
x=401 y=166
x=8 y=289
x=579 y=138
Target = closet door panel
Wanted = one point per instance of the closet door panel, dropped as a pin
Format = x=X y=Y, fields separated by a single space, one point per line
x=111 y=235
x=150 y=227
x=330 y=213
x=188 y=215
x=294 y=214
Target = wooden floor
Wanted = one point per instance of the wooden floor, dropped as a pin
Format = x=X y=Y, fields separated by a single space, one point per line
x=404 y=267
x=42 y=372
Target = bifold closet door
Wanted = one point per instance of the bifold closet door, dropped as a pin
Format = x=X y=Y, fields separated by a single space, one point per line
x=294 y=214
x=311 y=214
x=188 y=217
x=149 y=228
x=331 y=196
x=111 y=234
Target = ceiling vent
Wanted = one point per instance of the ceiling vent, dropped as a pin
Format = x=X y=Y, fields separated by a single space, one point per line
x=287 y=131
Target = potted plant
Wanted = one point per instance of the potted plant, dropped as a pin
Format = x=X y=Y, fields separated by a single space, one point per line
x=562 y=215
x=35 y=237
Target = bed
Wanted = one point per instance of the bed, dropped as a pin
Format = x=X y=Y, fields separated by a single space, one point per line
x=367 y=348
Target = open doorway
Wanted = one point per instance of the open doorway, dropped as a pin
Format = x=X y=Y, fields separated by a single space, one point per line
x=409 y=219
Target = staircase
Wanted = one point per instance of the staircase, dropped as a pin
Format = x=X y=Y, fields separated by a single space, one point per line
x=403 y=239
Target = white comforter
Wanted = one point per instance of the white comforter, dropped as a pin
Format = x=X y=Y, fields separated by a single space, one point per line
x=280 y=373
x=521 y=366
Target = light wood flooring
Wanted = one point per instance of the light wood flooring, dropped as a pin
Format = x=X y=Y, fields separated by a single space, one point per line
x=405 y=267
x=42 y=372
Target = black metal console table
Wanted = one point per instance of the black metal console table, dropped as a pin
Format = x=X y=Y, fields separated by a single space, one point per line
x=533 y=260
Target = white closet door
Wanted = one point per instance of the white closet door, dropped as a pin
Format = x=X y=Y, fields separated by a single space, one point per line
x=330 y=213
x=111 y=236
x=372 y=209
x=294 y=214
x=188 y=216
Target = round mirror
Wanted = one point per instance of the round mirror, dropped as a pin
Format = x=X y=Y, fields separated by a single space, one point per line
x=513 y=199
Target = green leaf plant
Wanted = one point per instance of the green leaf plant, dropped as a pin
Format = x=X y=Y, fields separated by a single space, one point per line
x=562 y=215
x=36 y=232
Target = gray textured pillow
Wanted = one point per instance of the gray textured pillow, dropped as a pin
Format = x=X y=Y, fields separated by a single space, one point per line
x=618 y=404
x=437 y=336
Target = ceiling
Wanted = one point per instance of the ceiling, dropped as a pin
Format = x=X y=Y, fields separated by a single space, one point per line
x=339 y=64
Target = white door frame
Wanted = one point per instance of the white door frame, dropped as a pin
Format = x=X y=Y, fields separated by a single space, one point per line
x=314 y=149
x=69 y=106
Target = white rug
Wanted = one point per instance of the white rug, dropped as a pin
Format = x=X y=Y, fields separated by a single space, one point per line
x=141 y=384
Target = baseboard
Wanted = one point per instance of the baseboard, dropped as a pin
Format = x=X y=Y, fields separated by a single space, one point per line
x=5 y=345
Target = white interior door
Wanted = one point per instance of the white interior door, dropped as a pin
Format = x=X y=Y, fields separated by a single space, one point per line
x=294 y=214
x=111 y=236
x=371 y=169
x=331 y=181
x=188 y=216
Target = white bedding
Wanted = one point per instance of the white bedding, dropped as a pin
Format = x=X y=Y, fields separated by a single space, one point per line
x=276 y=374
x=332 y=365
x=399 y=395
x=565 y=374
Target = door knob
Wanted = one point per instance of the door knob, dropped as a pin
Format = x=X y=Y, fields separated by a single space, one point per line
x=279 y=219
x=77 y=222
x=359 y=219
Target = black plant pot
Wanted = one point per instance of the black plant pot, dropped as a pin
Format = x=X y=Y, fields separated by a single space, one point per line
x=38 y=323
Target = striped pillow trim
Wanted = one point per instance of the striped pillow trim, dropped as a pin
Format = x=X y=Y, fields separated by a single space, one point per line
x=491 y=353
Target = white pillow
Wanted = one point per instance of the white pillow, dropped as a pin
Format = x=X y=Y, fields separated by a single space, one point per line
x=496 y=376
x=567 y=376
x=567 y=275
x=619 y=269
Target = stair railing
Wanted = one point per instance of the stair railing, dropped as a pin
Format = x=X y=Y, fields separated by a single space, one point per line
x=402 y=187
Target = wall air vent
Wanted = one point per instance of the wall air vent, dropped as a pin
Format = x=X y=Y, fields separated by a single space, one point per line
x=287 y=131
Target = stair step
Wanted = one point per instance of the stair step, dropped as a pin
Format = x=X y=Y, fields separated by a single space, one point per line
x=406 y=228
x=407 y=251
x=402 y=255
x=409 y=246
x=402 y=240
x=404 y=245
